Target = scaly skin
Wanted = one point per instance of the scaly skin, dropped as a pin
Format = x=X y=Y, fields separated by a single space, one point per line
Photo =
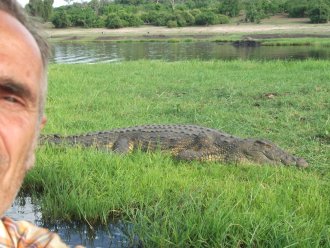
x=187 y=142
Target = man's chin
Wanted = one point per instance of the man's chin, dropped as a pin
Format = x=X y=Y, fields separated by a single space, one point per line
x=6 y=202
x=8 y=194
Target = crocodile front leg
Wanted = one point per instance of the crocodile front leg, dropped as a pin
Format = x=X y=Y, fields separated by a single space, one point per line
x=123 y=145
x=191 y=155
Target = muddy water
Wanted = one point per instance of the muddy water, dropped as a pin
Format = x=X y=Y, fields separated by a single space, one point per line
x=107 y=52
x=116 y=234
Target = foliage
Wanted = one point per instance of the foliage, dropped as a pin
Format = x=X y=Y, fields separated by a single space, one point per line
x=157 y=18
x=257 y=10
x=177 y=12
x=195 y=12
x=172 y=24
x=206 y=18
x=223 y=19
x=40 y=8
x=297 y=8
x=319 y=13
x=253 y=12
x=189 y=18
x=86 y=17
x=230 y=7
x=61 y=19
x=114 y=21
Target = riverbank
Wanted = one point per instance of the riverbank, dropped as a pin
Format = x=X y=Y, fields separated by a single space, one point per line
x=277 y=27
x=180 y=204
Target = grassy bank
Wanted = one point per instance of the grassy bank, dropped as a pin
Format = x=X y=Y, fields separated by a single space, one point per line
x=273 y=40
x=178 y=204
x=276 y=30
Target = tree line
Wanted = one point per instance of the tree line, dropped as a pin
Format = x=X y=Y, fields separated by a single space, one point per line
x=173 y=13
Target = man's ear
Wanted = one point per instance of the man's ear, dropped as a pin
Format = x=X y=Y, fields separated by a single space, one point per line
x=43 y=122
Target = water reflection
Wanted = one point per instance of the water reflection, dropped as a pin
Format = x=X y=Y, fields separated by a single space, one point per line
x=115 y=235
x=105 y=52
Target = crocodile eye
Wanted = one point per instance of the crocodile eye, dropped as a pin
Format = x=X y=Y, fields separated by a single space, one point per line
x=263 y=143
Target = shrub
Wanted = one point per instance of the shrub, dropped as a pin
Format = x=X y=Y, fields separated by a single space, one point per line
x=229 y=7
x=195 y=12
x=61 y=20
x=206 y=18
x=100 y=23
x=254 y=13
x=189 y=18
x=131 y=20
x=135 y=21
x=172 y=24
x=179 y=18
x=114 y=21
x=298 y=11
x=319 y=14
x=223 y=19
x=157 y=18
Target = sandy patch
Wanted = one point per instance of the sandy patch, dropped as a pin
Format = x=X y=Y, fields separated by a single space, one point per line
x=277 y=24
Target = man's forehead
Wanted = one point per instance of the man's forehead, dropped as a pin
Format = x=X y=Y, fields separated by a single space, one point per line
x=11 y=28
x=21 y=67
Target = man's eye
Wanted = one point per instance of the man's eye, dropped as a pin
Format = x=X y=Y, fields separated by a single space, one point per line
x=11 y=99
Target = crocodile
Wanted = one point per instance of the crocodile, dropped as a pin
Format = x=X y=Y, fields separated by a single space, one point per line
x=185 y=142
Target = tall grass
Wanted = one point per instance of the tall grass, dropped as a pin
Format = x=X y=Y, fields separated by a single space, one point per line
x=179 y=204
x=322 y=42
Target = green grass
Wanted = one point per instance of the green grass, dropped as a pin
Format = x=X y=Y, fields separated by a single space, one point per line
x=324 y=42
x=179 y=204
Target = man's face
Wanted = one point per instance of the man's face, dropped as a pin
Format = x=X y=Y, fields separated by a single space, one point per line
x=21 y=75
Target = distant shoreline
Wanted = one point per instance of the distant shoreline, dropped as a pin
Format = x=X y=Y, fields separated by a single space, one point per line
x=287 y=27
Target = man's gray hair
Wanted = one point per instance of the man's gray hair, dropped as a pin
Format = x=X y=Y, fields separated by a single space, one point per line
x=14 y=9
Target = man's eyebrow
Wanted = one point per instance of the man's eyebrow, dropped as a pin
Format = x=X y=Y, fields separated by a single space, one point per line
x=16 y=88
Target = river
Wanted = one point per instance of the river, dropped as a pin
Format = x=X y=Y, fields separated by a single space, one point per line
x=108 y=52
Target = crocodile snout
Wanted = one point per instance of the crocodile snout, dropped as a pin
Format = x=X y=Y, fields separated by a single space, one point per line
x=302 y=163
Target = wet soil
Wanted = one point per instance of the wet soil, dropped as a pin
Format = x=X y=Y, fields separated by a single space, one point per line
x=155 y=37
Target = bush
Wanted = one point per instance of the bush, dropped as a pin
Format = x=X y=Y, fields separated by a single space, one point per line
x=206 y=18
x=223 y=19
x=114 y=21
x=254 y=13
x=172 y=24
x=179 y=18
x=319 y=14
x=230 y=8
x=189 y=18
x=100 y=22
x=135 y=21
x=298 y=11
x=195 y=12
x=158 y=18
x=61 y=20
x=131 y=20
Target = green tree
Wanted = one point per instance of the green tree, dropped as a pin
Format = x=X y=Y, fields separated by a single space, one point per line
x=230 y=7
x=206 y=18
x=114 y=21
x=297 y=8
x=319 y=13
x=61 y=19
x=40 y=8
x=34 y=7
x=95 y=5
x=254 y=11
x=48 y=9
